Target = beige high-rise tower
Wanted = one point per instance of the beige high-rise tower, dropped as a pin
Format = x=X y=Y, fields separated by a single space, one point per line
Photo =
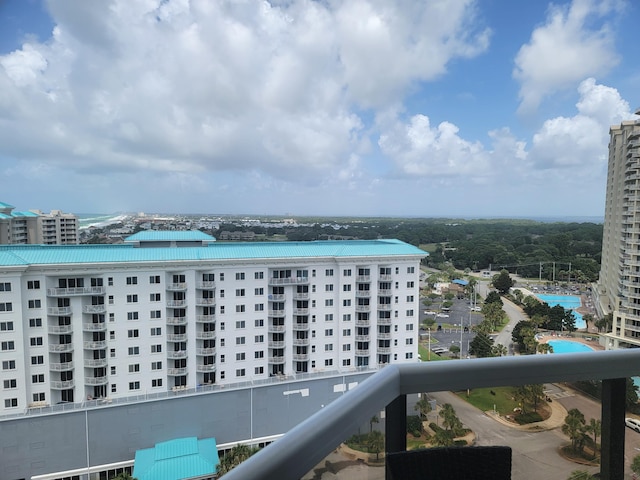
x=618 y=289
x=54 y=228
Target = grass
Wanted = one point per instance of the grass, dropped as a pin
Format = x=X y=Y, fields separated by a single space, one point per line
x=484 y=400
x=424 y=355
x=428 y=247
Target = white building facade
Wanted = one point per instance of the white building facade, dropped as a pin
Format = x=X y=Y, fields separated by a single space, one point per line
x=86 y=322
x=618 y=288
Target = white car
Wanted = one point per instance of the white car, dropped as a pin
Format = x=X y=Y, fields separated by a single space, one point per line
x=633 y=424
x=442 y=315
x=429 y=312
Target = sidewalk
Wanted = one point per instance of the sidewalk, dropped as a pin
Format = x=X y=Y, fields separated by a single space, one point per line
x=555 y=420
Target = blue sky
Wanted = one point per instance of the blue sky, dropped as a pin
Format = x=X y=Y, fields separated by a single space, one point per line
x=367 y=107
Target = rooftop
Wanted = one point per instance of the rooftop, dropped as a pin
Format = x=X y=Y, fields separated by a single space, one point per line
x=177 y=459
x=169 y=235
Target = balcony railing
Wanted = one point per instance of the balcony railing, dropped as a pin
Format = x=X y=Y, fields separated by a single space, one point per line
x=297 y=452
x=94 y=309
x=59 y=311
x=71 y=291
x=289 y=281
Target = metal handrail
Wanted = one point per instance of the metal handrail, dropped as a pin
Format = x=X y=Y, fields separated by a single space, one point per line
x=304 y=446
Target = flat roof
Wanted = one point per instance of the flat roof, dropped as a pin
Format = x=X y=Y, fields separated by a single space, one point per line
x=177 y=459
x=21 y=255
x=169 y=235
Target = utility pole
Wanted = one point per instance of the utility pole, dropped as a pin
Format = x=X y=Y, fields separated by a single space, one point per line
x=540 y=273
x=554 y=272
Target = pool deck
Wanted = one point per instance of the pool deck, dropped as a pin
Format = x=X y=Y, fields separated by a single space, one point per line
x=545 y=338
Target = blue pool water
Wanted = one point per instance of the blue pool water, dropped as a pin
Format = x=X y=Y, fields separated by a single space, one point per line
x=569 y=302
x=566 y=346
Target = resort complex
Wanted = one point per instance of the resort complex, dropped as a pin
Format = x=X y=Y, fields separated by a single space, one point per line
x=618 y=288
x=36 y=227
x=90 y=332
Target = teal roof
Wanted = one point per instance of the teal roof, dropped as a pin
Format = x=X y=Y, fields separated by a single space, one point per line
x=4 y=215
x=73 y=254
x=24 y=214
x=6 y=205
x=165 y=235
x=177 y=459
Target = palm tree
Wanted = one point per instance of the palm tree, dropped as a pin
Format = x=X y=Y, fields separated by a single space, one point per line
x=573 y=427
x=373 y=420
x=499 y=350
x=375 y=443
x=234 y=457
x=595 y=427
x=580 y=475
x=423 y=406
x=635 y=464
x=450 y=420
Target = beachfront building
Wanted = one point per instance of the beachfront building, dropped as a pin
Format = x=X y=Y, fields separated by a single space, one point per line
x=36 y=227
x=169 y=311
x=618 y=288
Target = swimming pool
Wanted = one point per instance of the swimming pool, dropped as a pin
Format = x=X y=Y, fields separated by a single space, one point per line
x=567 y=346
x=569 y=302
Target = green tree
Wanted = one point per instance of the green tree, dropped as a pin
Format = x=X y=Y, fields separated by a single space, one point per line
x=545 y=348
x=123 y=476
x=635 y=464
x=373 y=420
x=450 y=420
x=580 y=475
x=481 y=346
x=595 y=428
x=443 y=438
x=574 y=427
x=234 y=457
x=588 y=319
x=493 y=297
x=375 y=443
x=502 y=282
x=499 y=350
x=423 y=406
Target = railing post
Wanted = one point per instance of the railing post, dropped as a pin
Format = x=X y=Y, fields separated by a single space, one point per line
x=613 y=429
x=396 y=425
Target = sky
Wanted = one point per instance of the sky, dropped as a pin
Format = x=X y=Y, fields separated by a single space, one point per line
x=488 y=108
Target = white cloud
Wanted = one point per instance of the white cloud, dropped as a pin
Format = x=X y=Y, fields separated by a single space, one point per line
x=575 y=42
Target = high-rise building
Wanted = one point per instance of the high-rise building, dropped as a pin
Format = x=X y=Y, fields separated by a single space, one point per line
x=36 y=227
x=172 y=311
x=618 y=288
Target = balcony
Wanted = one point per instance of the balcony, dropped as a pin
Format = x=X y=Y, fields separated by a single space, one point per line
x=385 y=307
x=176 y=303
x=363 y=293
x=205 y=335
x=177 y=287
x=176 y=372
x=55 y=329
x=205 y=285
x=273 y=344
x=363 y=308
x=300 y=357
x=276 y=328
x=362 y=353
x=59 y=311
x=74 y=291
x=96 y=380
x=94 y=327
x=206 y=351
x=206 y=368
x=384 y=278
x=205 y=302
x=276 y=313
x=176 y=337
x=95 y=362
x=276 y=297
x=300 y=342
x=94 y=309
x=60 y=348
x=384 y=321
x=384 y=350
x=276 y=360
x=65 y=385
x=362 y=323
x=362 y=338
x=176 y=320
x=300 y=327
x=301 y=296
x=98 y=345
x=61 y=367
x=298 y=452
x=289 y=281
x=205 y=318
x=301 y=311
x=173 y=354
x=384 y=336
x=384 y=292
x=363 y=278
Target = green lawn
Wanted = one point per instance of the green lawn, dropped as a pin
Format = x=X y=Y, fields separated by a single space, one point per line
x=424 y=355
x=482 y=399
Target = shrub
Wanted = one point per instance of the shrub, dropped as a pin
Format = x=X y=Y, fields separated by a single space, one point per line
x=529 y=417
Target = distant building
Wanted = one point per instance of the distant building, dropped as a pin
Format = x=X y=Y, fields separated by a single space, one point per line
x=618 y=288
x=36 y=227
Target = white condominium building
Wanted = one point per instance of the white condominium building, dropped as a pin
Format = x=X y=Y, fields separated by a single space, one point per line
x=36 y=227
x=177 y=310
x=618 y=288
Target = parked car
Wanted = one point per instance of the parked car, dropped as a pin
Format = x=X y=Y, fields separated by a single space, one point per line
x=633 y=424
x=429 y=312
x=442 y=315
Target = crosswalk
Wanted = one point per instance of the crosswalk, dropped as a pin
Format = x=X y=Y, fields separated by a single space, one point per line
x=556 y=395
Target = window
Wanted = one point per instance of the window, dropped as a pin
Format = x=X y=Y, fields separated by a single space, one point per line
x=258 y=323
x=328 y=332
x=259 y=339
x=239 y=292
x=156 y=314
x=113 y=370
x=134 y=385
x=410 y=313
x=328 y=347
x=240 y=356
x=410 y=284
x=221 y=325
x=328 y=362
x=132 y=315
x=258 y=370
x=346 y=332
x=258 y=354
x=132 y=280
x=37 y=360
x=110 y=281
x=408 y=355
x=240 y=372
x=110 y=299
x=35 y=341
x=221 y=293
x=37 y=378
x=10 y=402
x=240 y=324
x=112 y=334
x=112 y=353
x=133 y=333
x=346 y=362
x=222 y=277
x=13 y=383
x=33 y=322
x=346 y=272
x=328 y=317
x=409 y=341
x=6 y=307
x=222 y=375
x=208 y=277
x=328 y=302
x=240 y=341
x=33 y=285
x=154 y=279
x=259 y=307
x=346 y=317
x=409 y=298
x=114 y=388
x=8 y=326
x=328 y=287
x=156 y=348
x=258 y=275
x=258 y=291
x=156 y=365
x=240 y=308
x=35 y=303
x=313 y=304
x=134 y=367
x=154 y=297
x=134 y=350
x=222 y=358
x=239 y=275
x=346 y=347
x=156 y=382
x=409 y=326
x=411 y=269
x=329 y=272
x=346 y=288
x=346 y=303
x=5 y=286
x=156 y=331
